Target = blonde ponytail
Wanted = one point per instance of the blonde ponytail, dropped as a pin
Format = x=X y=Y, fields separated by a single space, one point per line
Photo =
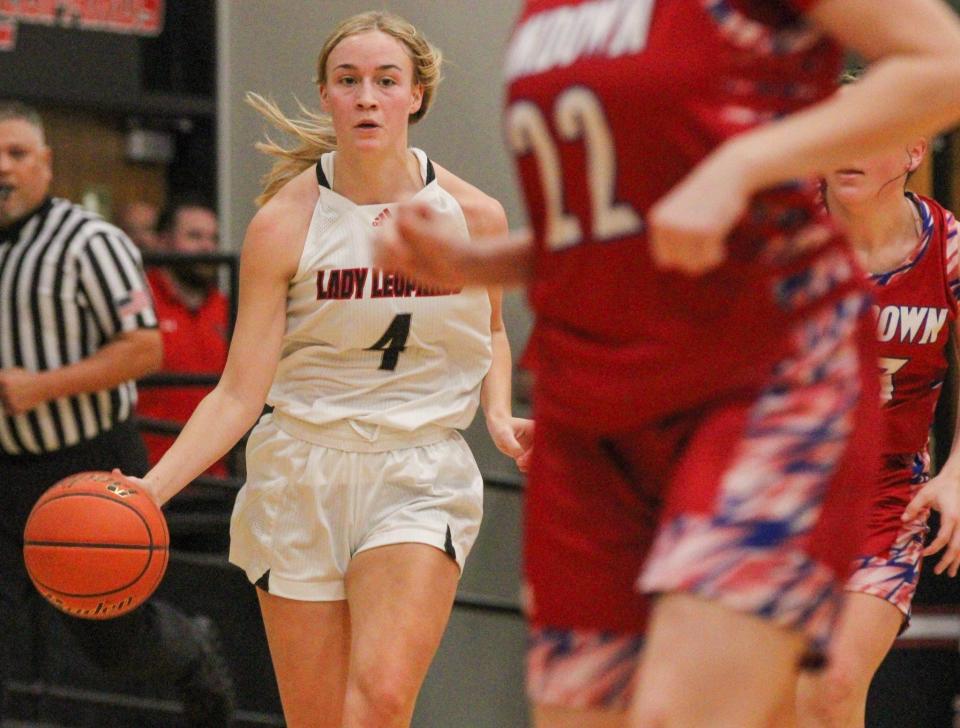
x=314 y=135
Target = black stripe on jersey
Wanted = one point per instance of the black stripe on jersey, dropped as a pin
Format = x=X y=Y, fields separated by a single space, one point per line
x=87 y=337
x=59 y=309
x=34 y=420
x=15 y=436
x=14 y=263
x=44 y=359
x=9 y=262
x=134 y=268
x=14 y=232
x=118 y=271
x=6 y=291
x=34 y=254
x=108 y=411
x=115 y=280
x=71 y=318
x=323 y=182
x=15 y=312
x=89 y=330
x=115 y=404
x=44 y=247
x=99 y=296
x=68 y=316
x=115 y=274
x=321 y=177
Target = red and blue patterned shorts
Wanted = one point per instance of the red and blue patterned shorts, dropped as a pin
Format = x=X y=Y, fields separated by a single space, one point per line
x=751 y=502
x=889 y=566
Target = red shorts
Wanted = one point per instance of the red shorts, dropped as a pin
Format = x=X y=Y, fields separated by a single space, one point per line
x=888 y=566
x=752 y=501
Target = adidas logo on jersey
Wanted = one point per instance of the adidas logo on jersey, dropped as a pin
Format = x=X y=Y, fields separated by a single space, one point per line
x=384 y=215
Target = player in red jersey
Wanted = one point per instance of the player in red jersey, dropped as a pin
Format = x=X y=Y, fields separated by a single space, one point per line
x=908 y=243
x=705 y=388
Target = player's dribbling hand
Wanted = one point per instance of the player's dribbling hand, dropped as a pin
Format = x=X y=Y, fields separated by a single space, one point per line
x=688 y=227
x=422 y=244
x=942 y=493
x=513 y=436
x=140 y=482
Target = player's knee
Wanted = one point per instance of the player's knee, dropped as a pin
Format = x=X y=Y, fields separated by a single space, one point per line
x=833 y=697
x=648 y=711
x=648 y=717
x=377 y=698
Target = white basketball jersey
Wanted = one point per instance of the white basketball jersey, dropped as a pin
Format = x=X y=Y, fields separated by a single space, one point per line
x=371 y=346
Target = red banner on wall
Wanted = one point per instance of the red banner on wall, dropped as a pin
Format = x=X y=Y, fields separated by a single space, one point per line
x=128 y=17
x=8 y=35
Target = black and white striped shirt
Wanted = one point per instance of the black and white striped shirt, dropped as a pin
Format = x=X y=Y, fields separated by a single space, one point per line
x=69 y=283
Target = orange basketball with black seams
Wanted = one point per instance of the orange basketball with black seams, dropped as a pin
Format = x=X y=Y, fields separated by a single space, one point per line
x=95 y=545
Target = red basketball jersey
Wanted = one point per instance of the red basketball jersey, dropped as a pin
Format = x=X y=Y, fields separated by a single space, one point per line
x=611 y=103
x=916 y=307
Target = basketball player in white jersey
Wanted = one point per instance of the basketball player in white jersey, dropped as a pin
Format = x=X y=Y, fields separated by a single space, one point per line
x=362 y=499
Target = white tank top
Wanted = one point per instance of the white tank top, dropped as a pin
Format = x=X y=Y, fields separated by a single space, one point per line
x=367 y=347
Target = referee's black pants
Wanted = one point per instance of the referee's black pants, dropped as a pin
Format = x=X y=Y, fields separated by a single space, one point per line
x=153 y=642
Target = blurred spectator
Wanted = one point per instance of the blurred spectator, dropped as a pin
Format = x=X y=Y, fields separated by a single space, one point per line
x=65 y=405
x=192 y=314
x=139 y=221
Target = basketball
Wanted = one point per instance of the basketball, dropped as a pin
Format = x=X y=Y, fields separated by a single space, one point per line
x=95 y=545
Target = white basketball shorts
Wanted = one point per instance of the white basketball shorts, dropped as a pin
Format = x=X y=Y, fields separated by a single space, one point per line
x=307 y=508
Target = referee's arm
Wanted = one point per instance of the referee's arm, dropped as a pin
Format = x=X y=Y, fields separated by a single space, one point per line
x=130 y=355
x=111 y=281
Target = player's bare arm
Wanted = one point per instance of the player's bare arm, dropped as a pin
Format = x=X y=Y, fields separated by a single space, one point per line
x=269 y=259
x=418 y=244
x=916 y=63
x=487 y=220
x=942 y=493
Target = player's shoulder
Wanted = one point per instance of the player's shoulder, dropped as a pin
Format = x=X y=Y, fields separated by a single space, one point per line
x=950 y=221
x=279 y=227
x=937 y=215
x=484 y=214
x=290 y=209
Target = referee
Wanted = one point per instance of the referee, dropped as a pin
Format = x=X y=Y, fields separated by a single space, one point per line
x=77 y=327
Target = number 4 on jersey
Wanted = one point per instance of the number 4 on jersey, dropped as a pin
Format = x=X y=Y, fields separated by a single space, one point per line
x=393 y=341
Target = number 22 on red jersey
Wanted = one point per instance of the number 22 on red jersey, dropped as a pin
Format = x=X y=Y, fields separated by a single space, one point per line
x=577 y=115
